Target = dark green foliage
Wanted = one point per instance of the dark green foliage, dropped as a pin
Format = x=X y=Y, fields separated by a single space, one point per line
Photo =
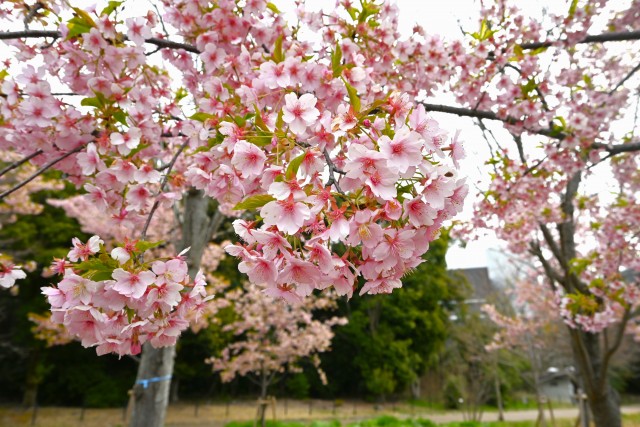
x=391 y=339
x=63 y=375
x=297 y=386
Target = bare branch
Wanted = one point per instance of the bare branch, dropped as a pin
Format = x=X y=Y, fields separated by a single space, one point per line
x=618 y=148
x=598 y=38
x=30 y=34
x=156 y=203
x=20 y=162
x=332 y=171
x=627 y=77
x=489 y=115
x=40 y=172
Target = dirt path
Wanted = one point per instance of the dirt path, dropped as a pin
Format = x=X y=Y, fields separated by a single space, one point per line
x=218 y=414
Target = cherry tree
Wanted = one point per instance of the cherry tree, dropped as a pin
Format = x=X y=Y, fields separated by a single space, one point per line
x=568 y=101
x=213 y=109
x=273 y=337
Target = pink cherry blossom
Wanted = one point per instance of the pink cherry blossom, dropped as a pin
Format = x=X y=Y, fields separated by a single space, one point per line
x=300 y=113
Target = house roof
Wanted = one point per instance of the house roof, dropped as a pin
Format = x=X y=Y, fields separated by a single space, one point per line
x=479 y=281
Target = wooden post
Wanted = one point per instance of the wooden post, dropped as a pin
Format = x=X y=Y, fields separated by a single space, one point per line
x=34 y=414
x=197 y=408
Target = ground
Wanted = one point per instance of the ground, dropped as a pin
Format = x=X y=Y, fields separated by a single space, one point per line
x=219 y=414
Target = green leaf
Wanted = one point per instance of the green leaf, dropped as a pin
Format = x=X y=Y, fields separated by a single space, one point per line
x=254 y=202
x=353 y=97
x=181 y=93
x=138 y=149
x=294 y=165
x=99 y=276
x=272 y=7
x=260 y=124
x=97 y=264
x=280 y=120
x=572 y=8
x=353 y=13
x=91 y=102
x=336 y=61
x=537 y=51
x=517 y=49
x=113 y=5
x=81 y=23
x=201 y=117
x=120 y=116
x=278 y=54
x=531 y=86
x=143 y=245
x=484 y=33
x=240 y=121
x=261 y=139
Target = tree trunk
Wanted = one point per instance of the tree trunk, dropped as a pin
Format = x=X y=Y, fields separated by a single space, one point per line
x=150 y=403
x=604 y=401
x=33 y=379
x=262 y=402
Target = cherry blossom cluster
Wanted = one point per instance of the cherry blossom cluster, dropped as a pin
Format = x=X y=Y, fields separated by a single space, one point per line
x=9 y=272
x=541 y=199
x=117 y=301
x=324 y=143
x=273 y=336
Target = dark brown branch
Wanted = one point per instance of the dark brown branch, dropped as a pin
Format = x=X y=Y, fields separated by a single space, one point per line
x=621 y=328
x=39 y=172
x=489 y=115
x=20 y=162
x=553 y=246
x=30 y=34
x=627 y=77
x=332 y=171
x=618 y=148
x=551 y=273
x=598 y=38
x=156 y=203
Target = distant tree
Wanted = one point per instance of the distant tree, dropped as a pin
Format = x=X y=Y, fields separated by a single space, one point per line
x=393 y=339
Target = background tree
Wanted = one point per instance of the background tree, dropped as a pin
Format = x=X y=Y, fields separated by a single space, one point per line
x=395 y=337
x=272 y=337
x=256 y=141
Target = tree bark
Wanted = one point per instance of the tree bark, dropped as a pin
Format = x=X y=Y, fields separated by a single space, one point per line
x=604 y=401
x=150 y=402
x=34 y=377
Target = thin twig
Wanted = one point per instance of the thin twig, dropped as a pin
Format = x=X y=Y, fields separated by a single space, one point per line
x=627 y=77
x=18 y=163
x=40 y=172
x=332 y=169
x=156 y=203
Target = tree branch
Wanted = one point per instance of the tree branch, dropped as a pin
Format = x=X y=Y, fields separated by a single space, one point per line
x=489 y=115
x=143 y=235
x=40 y=172
x=31 y=34
x=627 y=77
x=598 y=38
x=614 y=348
x=18 y=163
x=618 y=148
x=332 y=170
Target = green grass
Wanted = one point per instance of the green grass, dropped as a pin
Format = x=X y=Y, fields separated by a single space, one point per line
x=388 y=421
